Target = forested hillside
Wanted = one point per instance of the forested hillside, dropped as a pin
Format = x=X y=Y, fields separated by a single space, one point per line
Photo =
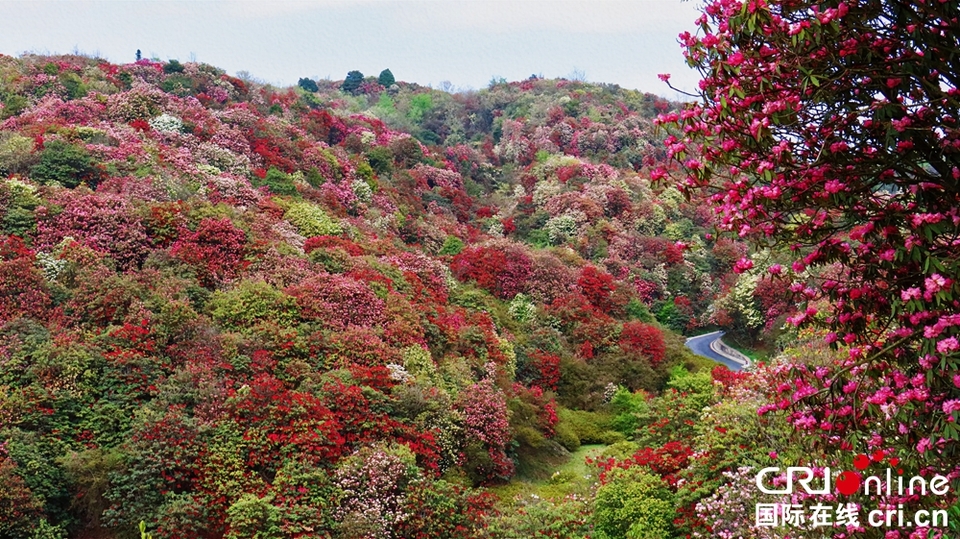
x=366 y=308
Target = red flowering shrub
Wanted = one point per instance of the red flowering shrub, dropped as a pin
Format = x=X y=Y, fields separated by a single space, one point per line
x=596 y=286
x=357 y=345
x=543 y=369
x=332 y=242
x=503 y=272
x=23 y=290
x=666 y=461
x=20 y=509
x=216 y=249
x=644 y=339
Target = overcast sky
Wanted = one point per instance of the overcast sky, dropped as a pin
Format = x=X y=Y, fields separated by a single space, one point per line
x=466 y=42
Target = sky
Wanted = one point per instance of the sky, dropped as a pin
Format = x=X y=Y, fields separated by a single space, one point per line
x=465 y=42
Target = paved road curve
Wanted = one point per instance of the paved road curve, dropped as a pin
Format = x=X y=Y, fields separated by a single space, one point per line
x=701 y=346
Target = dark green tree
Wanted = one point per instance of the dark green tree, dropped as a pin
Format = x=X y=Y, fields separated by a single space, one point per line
x=386 y=78
x=173 y=66
x=308 y=85
x=352 y=83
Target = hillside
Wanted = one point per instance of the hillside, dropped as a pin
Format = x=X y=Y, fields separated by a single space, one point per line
x=338 y=310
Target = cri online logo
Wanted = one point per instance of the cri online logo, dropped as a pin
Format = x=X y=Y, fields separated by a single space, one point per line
x=850 y=482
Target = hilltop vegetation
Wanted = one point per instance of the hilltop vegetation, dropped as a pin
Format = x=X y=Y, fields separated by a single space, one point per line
x=341 y=310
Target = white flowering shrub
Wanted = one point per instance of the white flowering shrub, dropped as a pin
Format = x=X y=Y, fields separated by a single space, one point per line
x=362 y=190
x=561 y=227
x=521 y=308
x=166 y=123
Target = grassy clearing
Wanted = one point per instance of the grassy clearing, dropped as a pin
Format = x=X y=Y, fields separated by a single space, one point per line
x=574 y=476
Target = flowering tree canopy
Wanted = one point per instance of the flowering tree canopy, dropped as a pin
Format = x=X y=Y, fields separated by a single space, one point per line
x=831 y=128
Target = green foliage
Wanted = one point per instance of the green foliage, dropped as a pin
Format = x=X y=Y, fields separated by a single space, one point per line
x=279 y=182
x=74 y=85
x=452 y=246
x=380 y=159
x=588 y=427
x=386 y=78
x=173 y=66
x=16 y=153
x=88 y=472
x=253 y=517
x=311 y=221
x=626 y=406
x=420 y=105
x=636 y=310
x=352 y=83
x=308 y=85
x=13 y=104
x=251 y=303
x=541 y=519
x=633 y=504
x=673 y=415
x=22 y=200
x=66 y=164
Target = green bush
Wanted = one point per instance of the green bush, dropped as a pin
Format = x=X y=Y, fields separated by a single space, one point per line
x=16 y=153
x=380 y=159
x=626 y=406
x=633 y=504
x=252 y=517
x=65 y=164
x=636 y=310
x=173 y=66
x=251 y=303
x=311 y=221
x=279 y=182
x=566 y=436
x=452 y=246
x=588 y=427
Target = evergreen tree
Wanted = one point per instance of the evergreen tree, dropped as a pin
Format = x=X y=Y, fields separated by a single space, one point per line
x=386 y=78
x=352 y=82
x=308 y=85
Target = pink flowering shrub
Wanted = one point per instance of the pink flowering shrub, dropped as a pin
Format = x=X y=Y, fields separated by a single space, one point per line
x=486 y=432
x=780 y=118
x=373 y=482
x=105 y=223
x=338 y=301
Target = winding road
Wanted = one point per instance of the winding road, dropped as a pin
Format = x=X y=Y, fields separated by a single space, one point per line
x=710 y=346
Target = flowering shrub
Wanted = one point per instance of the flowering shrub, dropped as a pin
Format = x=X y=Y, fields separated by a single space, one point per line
x=373 y=482
x=166 y=123
x=487 y=429
x=215 y=249
x=338 y=301
x=597 y=287
x=105 y=223
x=804 y=149
x=502 y=272
x=24 y=289
x=644 y=339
